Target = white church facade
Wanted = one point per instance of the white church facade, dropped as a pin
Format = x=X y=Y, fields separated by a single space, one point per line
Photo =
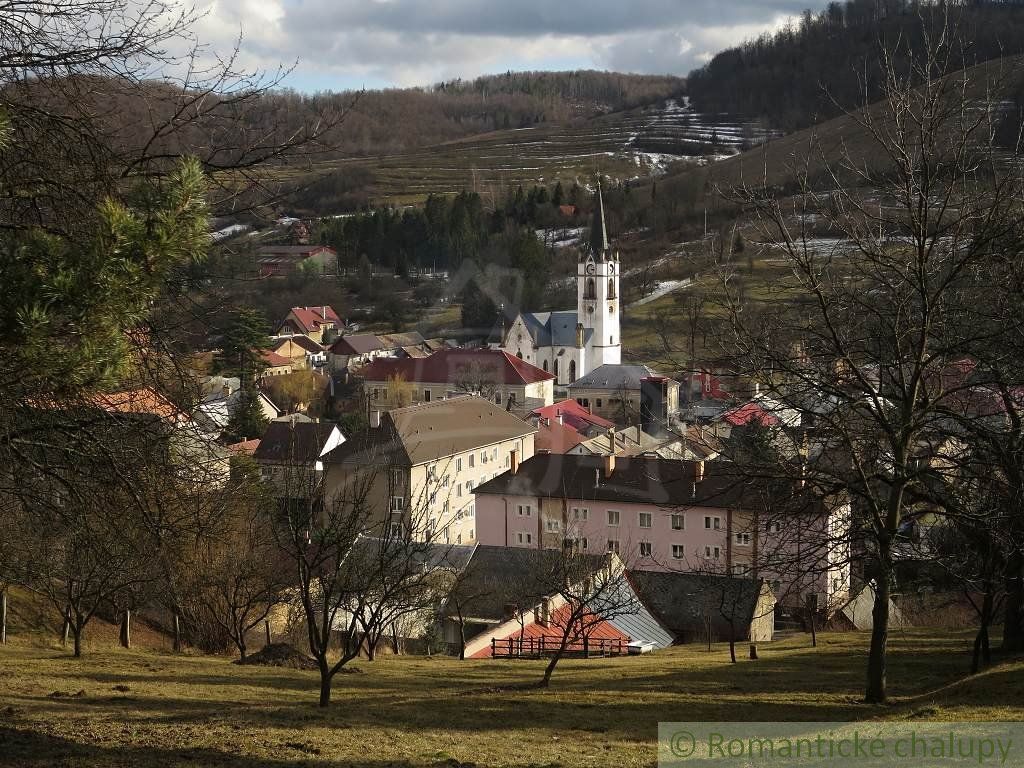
x=573 y=343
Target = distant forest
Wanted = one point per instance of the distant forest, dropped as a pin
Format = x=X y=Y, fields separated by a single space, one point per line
x=783 y=77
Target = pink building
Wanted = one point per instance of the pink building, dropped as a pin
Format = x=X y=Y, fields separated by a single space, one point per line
x=669 y=515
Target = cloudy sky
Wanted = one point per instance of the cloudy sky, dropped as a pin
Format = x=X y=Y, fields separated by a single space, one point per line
x=342 y=44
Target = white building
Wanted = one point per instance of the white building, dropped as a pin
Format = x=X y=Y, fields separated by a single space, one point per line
x=571 y=344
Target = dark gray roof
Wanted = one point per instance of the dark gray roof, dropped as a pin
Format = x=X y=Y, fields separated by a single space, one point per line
x=299 y=441
x=555 y=329
x=633 y=618
x=648 y=480
x=499 y=577
x=683 y=602
x=613 y=377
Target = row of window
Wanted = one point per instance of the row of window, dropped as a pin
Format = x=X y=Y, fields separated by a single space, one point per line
x=645 y=520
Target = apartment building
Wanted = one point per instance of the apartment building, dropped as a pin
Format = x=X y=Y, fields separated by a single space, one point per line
x=670 y=515
x=422 y=463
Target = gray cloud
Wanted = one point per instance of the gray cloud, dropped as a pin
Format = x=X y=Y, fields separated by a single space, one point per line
x=402 y=42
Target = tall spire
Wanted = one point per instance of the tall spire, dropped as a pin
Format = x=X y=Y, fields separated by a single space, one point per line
x=598 y=229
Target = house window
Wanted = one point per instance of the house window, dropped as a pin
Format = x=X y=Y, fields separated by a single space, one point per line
x=552 y=525
x=598 y=402
x=396 y=530
x=645 y=519
x=519 y=538
x=613 y=546
x=426 y=395
x=458 y=490
x=645 y=549
x=397 y=504
x=713 y=553
x=740 y=569
x=497 y=396
x=743 y=539
x=376 y=393
x=472 y=460
x=580 y=514
x=712 y=523
x=444 y=481
x=774 y=527
x=524 y=510
x=613 y=517
x=458 y=464
x=677 y=522
x=677 y=552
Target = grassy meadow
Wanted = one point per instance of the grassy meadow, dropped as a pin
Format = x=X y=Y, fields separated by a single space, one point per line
x=150 y=708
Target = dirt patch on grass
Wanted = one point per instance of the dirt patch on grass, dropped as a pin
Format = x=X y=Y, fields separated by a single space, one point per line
x=279 y=655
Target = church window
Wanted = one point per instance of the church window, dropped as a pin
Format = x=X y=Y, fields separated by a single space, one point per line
x=611 y=340
x=611 y=287
x=572 y=371
x=591 y=292
x=519 y=354
x=545 y=365
x=555 y=369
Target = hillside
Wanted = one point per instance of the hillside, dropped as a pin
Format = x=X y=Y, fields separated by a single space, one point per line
x=783 y=77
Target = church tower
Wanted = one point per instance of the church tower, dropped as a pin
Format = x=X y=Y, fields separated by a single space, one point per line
x=597 y=288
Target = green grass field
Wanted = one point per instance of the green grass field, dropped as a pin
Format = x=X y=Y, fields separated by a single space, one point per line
x=149 y=708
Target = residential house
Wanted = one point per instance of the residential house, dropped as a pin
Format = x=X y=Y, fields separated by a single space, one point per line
x=321 y=324
x=282 y=260
x=490 y=373
x=350 y=352
x=301 y=351
x=290 y=455
x=667 y=514
x=274 y=364
x=564 y=425
x=221 y=397
x=693 y=605
x=394 y=344
x=614 y=393
x=503 y=603
x=421 y=464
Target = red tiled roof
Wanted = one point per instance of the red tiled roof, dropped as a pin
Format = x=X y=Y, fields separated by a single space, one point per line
x=246 y=447
x=556 y=438
x=748 y=412
x=311 y=318
x=449 y=365
x=273 y=359
x=573 y=414
x=141 y=400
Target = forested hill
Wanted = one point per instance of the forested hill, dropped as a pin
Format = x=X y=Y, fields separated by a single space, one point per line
x=781 y=77
x=400 y=120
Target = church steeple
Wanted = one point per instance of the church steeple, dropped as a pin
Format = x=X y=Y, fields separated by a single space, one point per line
x=598 y=228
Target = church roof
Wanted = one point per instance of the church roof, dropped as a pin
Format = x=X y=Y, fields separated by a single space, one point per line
x=613 y=376
x=599 y=229
x=555 y=329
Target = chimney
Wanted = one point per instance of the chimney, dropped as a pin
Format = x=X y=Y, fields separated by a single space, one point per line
x=323 y=312
x=513 y=461
x=698 y=471
x=597 y=477
x=611 y=440
x=609 y=465
x=374 y=419
x=561 y=420
x=225 y=389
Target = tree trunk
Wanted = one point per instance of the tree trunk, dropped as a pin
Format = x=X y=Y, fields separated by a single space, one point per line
x=3 y=617
x=462 y=640
x=753 y=651
x=266 y=626
x=550 y=669
x=126 y=629
x=1013 y=622
x=732 y=649
x=177 y=630
x=242 y=651
x=982 y=651
x=77 y=632
x=325 y=688
x=876 y=693
x=65 y=631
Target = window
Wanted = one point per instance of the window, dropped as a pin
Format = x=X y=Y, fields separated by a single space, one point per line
x=397 y=504
x=613 y=546
x=376 y=393
x=677 y=522
x=774 y=527
x=677 y=552
x=552 y=525
x=483 y=457
x=611 y=341
x=494 y=454
x=740 y=569
x=713 y=552
x=446 y=508
x=545 y=366
x=519 y=538
x=458 y=490
x=613 y=517
x=598 y=402
x=712 y=522
x=458 y=464
x=396 y=530
x=472 y=534
x=472 y=460
x=591 y=292
x=426 y=395
x=743 y=539
x=444 y=481
x=580 y=514
x=645 y=549
x=572 y=371
x=645 y=519
x=497 y=395
x=524 y=510
x=611 y=287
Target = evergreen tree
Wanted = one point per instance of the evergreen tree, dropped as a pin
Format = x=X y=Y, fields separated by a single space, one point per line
x=245 y=339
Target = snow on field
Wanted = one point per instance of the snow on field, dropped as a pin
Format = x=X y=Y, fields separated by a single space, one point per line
x=664 y=289
x=560 y=238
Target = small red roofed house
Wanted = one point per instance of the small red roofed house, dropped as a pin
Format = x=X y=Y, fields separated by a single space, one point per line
x=276 y=365
x=281 y=260
x=321 y=324
x=142 y=400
